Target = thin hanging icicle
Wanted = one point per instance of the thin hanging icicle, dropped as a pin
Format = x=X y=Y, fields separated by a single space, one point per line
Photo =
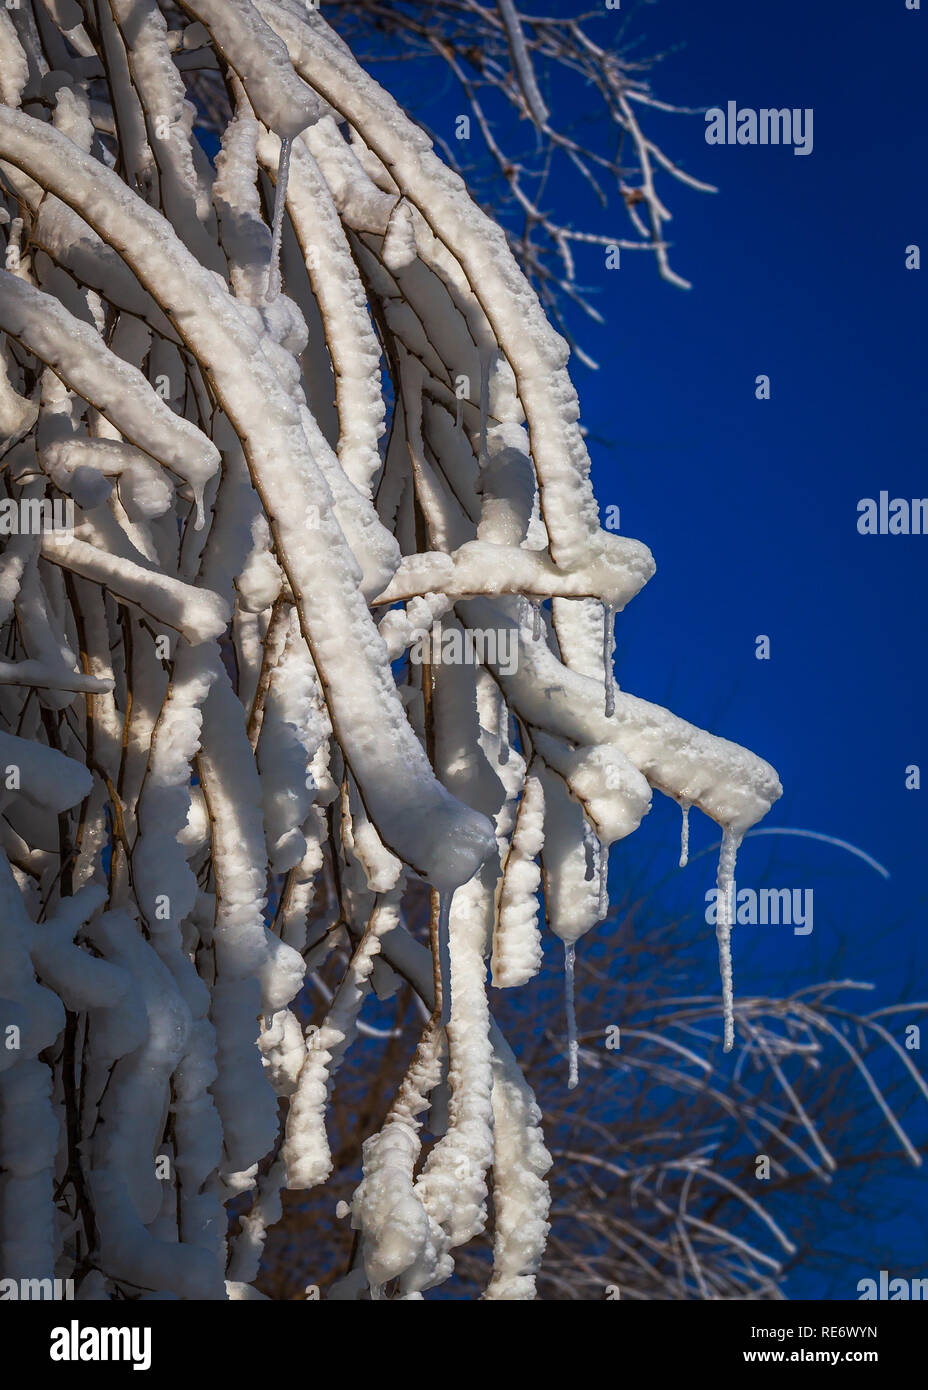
x=573 y=1048
x=444 y=953
x=277 y=227
x=199 y=509
x=503 y=731
x=608 y=674
x=685 y=835
x=589 y=849
x=725 y=880
x=534 y=607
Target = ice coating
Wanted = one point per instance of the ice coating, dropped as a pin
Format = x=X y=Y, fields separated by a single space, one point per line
x=608 y=673
x=444 y=955
x=428 y=829
x=252 y=765
x=516 y=940
x=46 y=777
x=724 y=921
x=503 y=735
x=399 y=243
x=260 y=59
x=480 y=247
x=352 y=344
x=198 y=613
x=617 y=573
x=277 y=226
x=684 y=834
x=573 y=1047
x=14 y=66
x=141 y=29
x=78 y=354
x=306 y=1153
x=521 y=1199
x=522 y=62
x=729 y=784
x=452 y=1185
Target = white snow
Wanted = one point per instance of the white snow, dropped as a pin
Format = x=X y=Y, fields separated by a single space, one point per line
x=284 y=103
x=226 y=771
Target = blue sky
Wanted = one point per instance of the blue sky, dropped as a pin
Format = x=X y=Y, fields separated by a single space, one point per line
x=750 y=507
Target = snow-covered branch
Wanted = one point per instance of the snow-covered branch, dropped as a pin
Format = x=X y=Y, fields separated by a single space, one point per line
x=305 y=607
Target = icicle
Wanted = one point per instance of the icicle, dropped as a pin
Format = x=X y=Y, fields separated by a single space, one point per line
x=608 y=673
x=725 y=880
x=573 y=1050
x=444 y=953
x=280 y=203
x=503 y=731
x=603 y=882
x=534 y=607
x=685 y=835
x=589 y=850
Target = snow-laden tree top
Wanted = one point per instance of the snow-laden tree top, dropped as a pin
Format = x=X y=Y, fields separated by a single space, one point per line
x=313 y=430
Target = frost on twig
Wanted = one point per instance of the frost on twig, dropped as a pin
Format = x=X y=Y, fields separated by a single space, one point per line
x=315 y=435
x=503 y=58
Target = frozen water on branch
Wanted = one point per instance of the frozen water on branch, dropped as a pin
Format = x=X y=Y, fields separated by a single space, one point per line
x=226 y=768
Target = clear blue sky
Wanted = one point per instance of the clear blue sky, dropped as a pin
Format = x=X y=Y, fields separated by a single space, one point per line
x=750 y=507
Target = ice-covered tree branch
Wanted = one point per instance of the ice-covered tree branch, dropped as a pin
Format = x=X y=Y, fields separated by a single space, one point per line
x=328 y=622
